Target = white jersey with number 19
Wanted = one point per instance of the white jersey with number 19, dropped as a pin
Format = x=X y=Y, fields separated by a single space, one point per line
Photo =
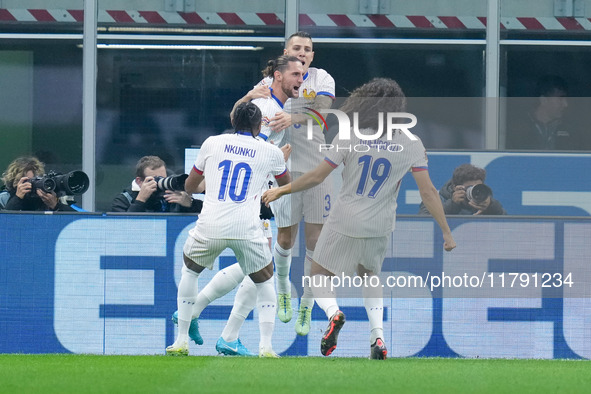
x=372 y=172
x=236 y=167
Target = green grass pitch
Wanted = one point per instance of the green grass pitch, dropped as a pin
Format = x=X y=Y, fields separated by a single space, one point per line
x=66 y=373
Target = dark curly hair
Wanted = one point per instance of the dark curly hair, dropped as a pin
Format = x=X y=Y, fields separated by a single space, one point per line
x=368 y=100
x=467 y=172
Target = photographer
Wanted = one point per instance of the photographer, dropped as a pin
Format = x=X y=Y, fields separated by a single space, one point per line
x=466 y=194
x=144 y=194
x=20 y=193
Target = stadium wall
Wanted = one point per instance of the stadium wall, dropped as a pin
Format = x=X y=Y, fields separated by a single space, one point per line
x=106 y=284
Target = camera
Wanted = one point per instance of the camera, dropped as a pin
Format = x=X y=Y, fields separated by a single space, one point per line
x=174 y=182
x=70 y=184
x=478 y=193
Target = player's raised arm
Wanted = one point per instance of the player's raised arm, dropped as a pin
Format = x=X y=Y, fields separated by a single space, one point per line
x=306 y=181
x=322 y=102
x=283 y=119
x=432 y=201
x=258 y=91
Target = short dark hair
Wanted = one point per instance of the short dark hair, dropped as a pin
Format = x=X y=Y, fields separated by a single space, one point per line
x=279 y=64
x=301 y=34
x=548 y=84
x=467 y=172
x=151 y=162
x=247 y=117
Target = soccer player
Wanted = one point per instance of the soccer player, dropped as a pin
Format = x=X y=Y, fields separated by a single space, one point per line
x=317 y=92
x=236 y=168
x=287 y=76
x=356 y=235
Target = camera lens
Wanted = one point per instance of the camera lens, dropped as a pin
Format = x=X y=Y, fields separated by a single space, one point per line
x=173 y=182
x=73 y=183
x=45 y=183
x=478 y=193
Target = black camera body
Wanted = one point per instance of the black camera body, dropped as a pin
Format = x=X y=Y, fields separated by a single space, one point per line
x=478 y=193
x=174 y=182
x=70 y=184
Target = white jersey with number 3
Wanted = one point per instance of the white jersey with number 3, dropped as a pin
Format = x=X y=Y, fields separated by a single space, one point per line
x=235 y=167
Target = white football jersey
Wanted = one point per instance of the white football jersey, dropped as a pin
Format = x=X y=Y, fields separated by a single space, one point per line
x=236 y=167
x=269 y=106
x=306 y=154
x=366 y=205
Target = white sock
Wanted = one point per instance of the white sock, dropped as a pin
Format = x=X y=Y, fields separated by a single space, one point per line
x=375 y=334
x=221 y=284
x=244 y=302
x=186 y=297
x=374 y=306
x=266 y=306
x=282 y=258
x=307 y=300
x=323 y=295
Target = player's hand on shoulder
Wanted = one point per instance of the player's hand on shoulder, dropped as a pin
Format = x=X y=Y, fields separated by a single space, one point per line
x=281 y=121
x=259 y=91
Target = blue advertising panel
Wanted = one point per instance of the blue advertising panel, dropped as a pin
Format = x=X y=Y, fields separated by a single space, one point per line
x=543 y=184
x=84 y=283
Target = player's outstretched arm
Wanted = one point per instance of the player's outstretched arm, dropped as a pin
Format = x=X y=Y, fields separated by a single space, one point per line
x=432 y=201
x=258 y=91
x=320 y=102
x=306 y=181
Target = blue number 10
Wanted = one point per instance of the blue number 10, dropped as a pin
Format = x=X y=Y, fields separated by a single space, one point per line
x=379 y=172
x=240 y=172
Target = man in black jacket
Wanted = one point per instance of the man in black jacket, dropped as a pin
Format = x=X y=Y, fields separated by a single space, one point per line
x=144 y=196
x=544 y=127
x=458 y=198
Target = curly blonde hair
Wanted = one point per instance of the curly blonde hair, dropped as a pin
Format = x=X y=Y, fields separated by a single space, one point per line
x=18 y=168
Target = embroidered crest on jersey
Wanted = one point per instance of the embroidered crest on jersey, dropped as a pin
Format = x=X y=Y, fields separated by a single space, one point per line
x=309 y=94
